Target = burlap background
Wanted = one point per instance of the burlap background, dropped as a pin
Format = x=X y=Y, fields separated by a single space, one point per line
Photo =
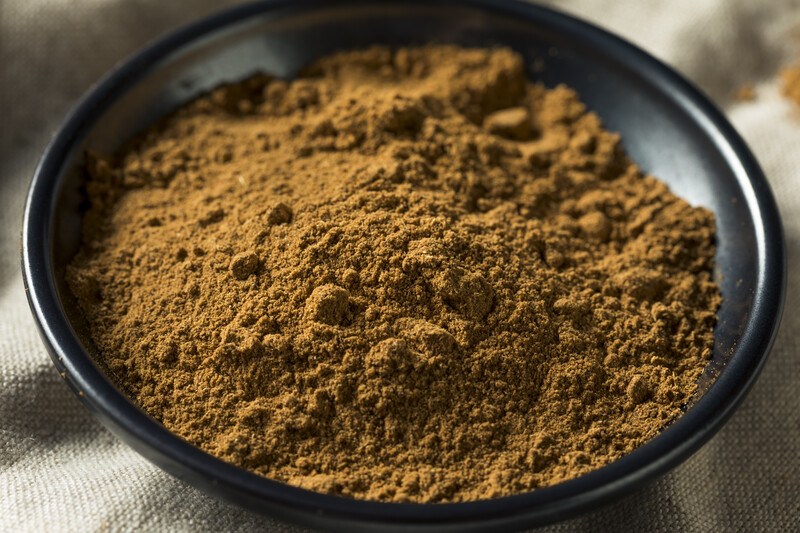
x=60 y=470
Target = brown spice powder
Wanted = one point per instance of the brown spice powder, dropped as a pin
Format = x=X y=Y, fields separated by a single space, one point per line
x=790 y=83
x=404 y=276
x=745 y=93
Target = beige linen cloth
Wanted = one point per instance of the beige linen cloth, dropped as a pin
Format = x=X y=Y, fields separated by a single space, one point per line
x=61 y=471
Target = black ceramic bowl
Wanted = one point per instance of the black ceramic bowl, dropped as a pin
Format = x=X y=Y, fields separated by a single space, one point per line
x=669 y=128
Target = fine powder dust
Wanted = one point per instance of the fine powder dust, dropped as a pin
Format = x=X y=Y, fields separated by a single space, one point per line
x=790 y=83
x=404 y=276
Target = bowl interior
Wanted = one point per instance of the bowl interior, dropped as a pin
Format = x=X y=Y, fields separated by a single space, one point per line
x=668 y=133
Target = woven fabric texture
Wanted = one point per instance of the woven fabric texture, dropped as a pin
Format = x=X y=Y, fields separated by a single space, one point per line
x=60 y=470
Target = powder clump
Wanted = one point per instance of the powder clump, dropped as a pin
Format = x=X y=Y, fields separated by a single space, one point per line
x=406 y=275
x=243 y=265
x=328 y=304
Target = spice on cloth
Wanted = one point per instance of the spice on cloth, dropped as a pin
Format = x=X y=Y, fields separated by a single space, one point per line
x=745 y=93
x=790 y=86
x=404 y=276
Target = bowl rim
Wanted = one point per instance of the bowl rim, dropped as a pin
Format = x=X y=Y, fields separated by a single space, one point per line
x=671 y=446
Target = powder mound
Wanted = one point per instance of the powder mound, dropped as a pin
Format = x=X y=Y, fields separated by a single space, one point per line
x=406 y=275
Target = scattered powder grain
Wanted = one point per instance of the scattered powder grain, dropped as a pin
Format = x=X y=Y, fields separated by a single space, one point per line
x=403 y=276
x=790 y=78
x=745 y=93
